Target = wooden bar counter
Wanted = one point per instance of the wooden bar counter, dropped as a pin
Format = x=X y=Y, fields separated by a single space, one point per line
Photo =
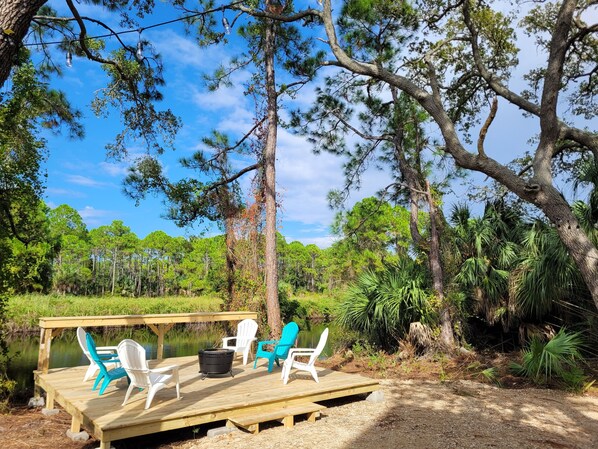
x=159 y=323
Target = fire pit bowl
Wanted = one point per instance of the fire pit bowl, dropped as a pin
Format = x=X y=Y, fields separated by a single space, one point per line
x=215 y=361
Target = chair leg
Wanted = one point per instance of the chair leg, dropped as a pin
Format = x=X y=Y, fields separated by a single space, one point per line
x=128 y=393
x=91 y=370
x=270 y=364
x=97 y=381
x=314 y=374
x=286 y=372
x=151 y=393
x=178 y=387
x=245 y=355
x=255 y=362
x=104 y=384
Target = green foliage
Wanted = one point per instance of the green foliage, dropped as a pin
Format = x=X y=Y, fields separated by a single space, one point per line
x=545 y=274
x=554 y=360
x=382 y=305
x=487 y=249
x=290 y=309
x=372 y=233
x=24 y=311
x=7 y=386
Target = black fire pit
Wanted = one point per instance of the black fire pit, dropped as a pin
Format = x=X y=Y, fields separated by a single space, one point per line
x=215 y=361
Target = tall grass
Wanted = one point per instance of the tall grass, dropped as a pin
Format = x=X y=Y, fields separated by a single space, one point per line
x=23 y=312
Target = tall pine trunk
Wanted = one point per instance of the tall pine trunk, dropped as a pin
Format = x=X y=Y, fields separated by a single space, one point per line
x=272 y=305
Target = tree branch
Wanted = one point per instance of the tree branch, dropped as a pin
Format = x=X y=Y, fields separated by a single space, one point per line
x=234 y=177
x=485 y=127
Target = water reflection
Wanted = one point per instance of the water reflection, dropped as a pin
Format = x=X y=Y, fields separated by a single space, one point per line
x=179 y=342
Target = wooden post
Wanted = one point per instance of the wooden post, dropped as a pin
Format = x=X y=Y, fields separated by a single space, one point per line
x=288 y=421
x=311 y=417
x=75 y=424
x=50 y=400
x=160 y=330
x=43 y=360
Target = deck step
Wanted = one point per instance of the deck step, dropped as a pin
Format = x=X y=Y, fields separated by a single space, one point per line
x=251 y=422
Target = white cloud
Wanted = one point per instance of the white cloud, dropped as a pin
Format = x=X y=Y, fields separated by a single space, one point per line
x=112 y=169
x=226 y=97
x=95 y=217
x=180 y=50
x=321 y=242
x=304 y=180
x=85 y=181
x=65 y=192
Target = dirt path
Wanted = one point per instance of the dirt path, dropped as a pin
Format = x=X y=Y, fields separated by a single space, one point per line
x=415 y=414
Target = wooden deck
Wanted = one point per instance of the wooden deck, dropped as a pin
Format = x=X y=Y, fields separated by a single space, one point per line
x=222 y=398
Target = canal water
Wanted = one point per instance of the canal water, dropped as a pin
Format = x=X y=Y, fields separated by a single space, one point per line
x=182 y=340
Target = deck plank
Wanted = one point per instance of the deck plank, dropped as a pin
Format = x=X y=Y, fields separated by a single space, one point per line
x=203 y=401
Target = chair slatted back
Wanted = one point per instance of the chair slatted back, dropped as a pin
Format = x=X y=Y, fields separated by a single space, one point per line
x=320 y=347
x=132 y=358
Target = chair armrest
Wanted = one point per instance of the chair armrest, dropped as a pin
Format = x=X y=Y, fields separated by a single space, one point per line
x=108 y=357
x=164 y=369
x=301 y=351
x=261 y=344
x=289 y=345
x=225 y=340
x=101 y=349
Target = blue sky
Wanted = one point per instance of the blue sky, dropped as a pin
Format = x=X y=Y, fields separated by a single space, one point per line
x=80 y=175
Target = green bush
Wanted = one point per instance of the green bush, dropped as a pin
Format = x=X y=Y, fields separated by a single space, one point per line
x=381 y=305
x=556 y=360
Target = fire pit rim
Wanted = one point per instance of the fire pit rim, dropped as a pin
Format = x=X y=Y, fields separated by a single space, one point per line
x=214 y=361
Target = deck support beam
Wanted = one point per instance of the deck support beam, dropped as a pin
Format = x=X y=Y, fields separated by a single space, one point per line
x=50 y=400
x=43 y=357
x=160 y=330
x=75 y=424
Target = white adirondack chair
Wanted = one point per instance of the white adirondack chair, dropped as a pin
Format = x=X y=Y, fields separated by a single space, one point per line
x=132 y=359
x=106 y=353
x=242 y=343
x=309 y=366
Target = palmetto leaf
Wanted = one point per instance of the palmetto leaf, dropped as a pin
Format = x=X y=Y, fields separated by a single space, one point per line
x=381 y=305
x=557 y=358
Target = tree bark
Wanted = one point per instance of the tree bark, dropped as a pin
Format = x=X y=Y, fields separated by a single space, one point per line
x=414 y=178
x=15 y=20
x=113 y=271
x=446 y=325
x=271 y=269
x=231 y=260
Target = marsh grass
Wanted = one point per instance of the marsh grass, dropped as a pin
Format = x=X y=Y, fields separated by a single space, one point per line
x=24 y=311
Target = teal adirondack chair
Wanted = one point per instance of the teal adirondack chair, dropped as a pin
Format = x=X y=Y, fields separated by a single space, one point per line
x=281 y=347
x=106 y=375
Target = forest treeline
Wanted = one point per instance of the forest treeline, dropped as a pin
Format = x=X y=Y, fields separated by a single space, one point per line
x=505 y=274
x=65 y=257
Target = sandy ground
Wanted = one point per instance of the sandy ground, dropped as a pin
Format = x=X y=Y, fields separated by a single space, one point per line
x=415 y=414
